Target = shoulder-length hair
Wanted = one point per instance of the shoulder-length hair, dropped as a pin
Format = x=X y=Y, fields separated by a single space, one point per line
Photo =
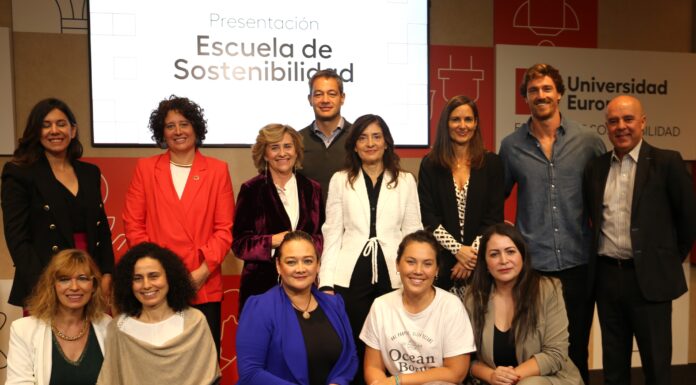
x=525 y=293
x=30 y=148
x=273 y=133
x=43 y=302
x=442 y=152
x=390 y=159
x=181 y=291
x=186 y=107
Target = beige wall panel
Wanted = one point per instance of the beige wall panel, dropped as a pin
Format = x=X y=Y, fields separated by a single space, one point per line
x=645 y=25
x=461 y=22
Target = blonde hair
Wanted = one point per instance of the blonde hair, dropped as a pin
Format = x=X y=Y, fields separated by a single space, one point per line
x=273 y=133
x=43 y=301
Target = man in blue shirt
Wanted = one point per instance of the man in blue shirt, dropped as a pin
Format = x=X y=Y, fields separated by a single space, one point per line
x=546 y=157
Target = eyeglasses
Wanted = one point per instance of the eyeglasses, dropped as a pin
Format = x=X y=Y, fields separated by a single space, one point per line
x=82 y=280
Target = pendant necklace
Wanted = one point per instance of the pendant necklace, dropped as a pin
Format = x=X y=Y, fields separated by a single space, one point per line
x=305 y=312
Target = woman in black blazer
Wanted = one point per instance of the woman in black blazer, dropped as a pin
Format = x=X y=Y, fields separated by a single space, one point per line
x=50 y=200
x=460 y=187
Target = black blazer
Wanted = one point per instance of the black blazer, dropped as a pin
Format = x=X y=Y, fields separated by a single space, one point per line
x=663 y=219
x=37 y=223
x=438 y=203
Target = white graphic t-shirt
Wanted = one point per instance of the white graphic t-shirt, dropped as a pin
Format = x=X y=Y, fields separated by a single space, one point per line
x=416 y=342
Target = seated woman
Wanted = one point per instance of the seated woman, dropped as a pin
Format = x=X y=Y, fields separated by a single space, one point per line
x=62 y=342
x=519 y=316
x=272 y=203
x=419 y=333
x=293 y=333
x=157 y=338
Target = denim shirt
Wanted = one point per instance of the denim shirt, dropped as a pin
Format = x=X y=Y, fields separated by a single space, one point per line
x=550 y=212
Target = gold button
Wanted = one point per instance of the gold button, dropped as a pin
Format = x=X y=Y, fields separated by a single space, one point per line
x=52 y=226
x=97 y=243
x=46 y=208
x=98 y=223
x=101 y=205
x=54 y=248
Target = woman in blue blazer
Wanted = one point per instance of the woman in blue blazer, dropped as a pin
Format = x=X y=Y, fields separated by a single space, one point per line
x=293 y=333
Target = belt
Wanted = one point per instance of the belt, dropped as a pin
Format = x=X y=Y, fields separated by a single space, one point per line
x=620 y=263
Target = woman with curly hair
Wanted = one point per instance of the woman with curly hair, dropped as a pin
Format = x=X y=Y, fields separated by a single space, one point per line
x=62 y=342
x=518 y=316
x=272 y=203
x=183 y=201
x=157 y=337
x=51 y=200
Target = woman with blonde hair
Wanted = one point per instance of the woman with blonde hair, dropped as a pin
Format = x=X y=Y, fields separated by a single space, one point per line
x=271 y=204
x=62 y=342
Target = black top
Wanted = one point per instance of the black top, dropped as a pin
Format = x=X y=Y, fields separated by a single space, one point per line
x=504 y=348
x=84 y=371
x=323 y=345
x=77 y=211
x=373 y=195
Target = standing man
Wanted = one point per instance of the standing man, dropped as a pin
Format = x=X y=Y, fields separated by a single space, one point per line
x=325 y=139
x=643 y=211
x=545 y=157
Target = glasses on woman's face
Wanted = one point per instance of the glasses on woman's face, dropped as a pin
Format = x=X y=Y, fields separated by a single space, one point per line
x=82 y=280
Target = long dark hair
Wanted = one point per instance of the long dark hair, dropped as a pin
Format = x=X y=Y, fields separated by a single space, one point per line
x=390 y=159
x=30 y=148
x=525 y=293
x=442 y=152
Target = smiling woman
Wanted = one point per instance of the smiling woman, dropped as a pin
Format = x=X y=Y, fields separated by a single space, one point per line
x=51 y=200
x=156 y=325
x=63 y=339
x=294 y=333
x=272 y=203
x=419 y=333
x=184 y=200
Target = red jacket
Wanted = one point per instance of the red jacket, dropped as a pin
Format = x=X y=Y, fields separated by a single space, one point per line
x=196 y=227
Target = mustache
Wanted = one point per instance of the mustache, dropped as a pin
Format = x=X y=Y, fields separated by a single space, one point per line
x=545 y=100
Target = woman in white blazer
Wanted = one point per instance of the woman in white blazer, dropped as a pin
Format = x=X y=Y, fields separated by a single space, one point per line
x=372 y=204
x=67 y=321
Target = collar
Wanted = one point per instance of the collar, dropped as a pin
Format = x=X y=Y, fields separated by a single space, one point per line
x=633 y=154
x=340 y=126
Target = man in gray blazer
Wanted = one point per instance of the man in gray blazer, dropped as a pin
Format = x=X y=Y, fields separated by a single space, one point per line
x=643 y=211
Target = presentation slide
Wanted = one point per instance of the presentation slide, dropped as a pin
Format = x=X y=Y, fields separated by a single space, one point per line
x=247 y=64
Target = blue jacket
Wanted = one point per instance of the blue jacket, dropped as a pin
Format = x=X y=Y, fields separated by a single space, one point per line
x=270 y=344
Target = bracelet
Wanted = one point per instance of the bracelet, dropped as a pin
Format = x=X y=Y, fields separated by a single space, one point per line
x=396 y=378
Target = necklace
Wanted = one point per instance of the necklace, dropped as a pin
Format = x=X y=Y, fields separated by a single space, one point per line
x=69 y=338
x=305 y=312
x=180 y=164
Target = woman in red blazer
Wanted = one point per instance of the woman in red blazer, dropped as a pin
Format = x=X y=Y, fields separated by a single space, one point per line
x=183 y=201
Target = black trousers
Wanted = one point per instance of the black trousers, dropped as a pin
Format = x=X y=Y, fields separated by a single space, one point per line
x=358 y=298
x=213 y=314
x=623 y=313
x=580 y=309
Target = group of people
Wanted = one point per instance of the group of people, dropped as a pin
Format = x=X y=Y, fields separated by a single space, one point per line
x=354 y=271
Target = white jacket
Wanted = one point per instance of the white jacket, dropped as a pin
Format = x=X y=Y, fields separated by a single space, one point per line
x=29 y=357
x=347 y=225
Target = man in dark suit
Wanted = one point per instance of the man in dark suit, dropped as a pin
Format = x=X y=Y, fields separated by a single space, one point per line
x=643 y=211
x=325 y=138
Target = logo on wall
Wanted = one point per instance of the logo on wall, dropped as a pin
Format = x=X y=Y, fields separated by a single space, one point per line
x=567 y=23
